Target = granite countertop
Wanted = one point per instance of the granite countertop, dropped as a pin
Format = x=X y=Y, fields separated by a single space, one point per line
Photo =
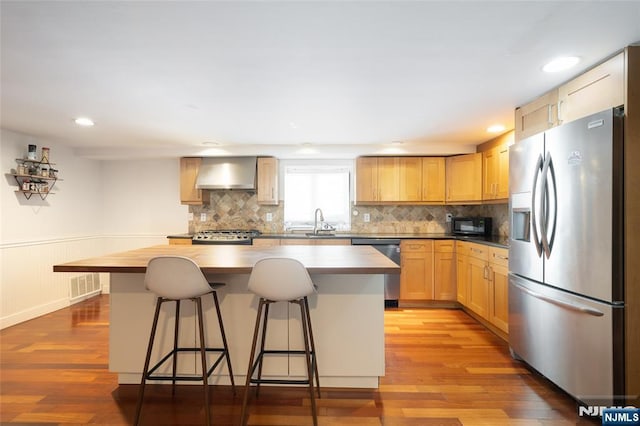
x=494 y=240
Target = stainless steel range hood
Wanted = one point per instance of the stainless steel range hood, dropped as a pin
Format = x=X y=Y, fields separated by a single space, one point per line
x=227 y=173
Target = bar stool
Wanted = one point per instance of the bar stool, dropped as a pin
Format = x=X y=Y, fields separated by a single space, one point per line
x=175 y=278
x=280 y=280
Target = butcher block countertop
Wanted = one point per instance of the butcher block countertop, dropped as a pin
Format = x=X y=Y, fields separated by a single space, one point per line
x=239 y=259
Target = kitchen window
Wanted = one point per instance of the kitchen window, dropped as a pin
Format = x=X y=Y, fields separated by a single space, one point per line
x=307 y=188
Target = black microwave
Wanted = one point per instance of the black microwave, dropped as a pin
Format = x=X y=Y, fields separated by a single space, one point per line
x=471 y=226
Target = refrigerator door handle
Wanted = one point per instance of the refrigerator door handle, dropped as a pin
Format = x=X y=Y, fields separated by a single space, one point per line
x=534 y=219
x=567 y=305
x=548 y=171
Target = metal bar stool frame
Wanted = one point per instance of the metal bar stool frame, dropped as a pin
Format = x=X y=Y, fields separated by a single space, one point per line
x=148 y=373
x=256 y=360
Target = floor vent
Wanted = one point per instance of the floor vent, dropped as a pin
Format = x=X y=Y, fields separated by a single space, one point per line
x=85 y=286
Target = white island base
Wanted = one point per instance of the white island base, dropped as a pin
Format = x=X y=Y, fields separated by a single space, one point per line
x=347 y=315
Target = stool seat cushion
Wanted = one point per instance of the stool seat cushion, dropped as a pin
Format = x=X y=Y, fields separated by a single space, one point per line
x=175 y=277
x=280 y=279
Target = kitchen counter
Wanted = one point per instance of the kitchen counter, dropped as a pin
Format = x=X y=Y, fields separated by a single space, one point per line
x=347 y=311
x=494 y=240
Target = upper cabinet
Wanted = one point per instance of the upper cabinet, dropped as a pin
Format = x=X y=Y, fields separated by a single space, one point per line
x=464 y=178
x=366 y=179
x=600 y=88
x=267 y=181
x=416 y=180
x=495 y=168
x=189 y=167
x=537 y=116
x=433 y=179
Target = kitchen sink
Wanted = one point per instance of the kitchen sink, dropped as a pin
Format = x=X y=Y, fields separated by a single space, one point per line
x=320 y=235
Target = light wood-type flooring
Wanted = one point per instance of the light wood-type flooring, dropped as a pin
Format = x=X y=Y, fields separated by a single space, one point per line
x=442 y=368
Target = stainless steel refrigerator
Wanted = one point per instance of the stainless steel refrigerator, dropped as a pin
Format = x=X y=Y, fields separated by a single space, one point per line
x=566 y=301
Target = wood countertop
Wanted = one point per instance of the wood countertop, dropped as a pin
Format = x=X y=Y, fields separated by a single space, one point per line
x=225 y=259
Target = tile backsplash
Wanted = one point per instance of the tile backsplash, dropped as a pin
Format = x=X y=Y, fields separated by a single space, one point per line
x=240 y=210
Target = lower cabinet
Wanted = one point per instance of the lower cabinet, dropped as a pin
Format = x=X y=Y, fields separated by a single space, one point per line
x=416 y=275
x=482 y=282
x=444 y=270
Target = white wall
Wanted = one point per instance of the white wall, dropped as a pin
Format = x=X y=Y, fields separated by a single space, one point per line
x=98 y=207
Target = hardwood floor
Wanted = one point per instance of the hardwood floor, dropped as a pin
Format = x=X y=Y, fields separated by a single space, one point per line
x=443 y=368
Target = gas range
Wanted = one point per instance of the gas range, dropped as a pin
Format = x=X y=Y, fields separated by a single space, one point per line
x=225 y=236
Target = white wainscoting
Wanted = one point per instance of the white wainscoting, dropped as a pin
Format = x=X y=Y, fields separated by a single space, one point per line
x=28 y=286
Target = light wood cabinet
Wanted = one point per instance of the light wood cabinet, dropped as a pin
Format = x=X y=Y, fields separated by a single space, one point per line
x=444 y=272
x=416 y=274
x=537 y=116
x=433 y=179
x=388 y=179
x=495 y=173
x=599 y=88
x=410 y=179
x=180 y=241
x=267 y=190
x=189 y=194
x=499 y=288
x=464 y=178
x=478 y=283
x=266 y=242
x=366 y=179
x=462 y=271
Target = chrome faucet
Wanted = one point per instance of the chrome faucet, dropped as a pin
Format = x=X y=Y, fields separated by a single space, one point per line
x=315 y=218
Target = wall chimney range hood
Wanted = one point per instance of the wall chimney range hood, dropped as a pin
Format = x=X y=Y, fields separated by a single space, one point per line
x=227 y=173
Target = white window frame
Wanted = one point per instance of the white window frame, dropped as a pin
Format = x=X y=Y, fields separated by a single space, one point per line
x=340 y=220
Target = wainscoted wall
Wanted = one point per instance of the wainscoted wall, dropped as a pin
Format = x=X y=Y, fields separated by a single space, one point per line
x=240 y=209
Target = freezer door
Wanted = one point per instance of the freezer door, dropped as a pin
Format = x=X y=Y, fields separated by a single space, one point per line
x=525 y=167
x=568 y=339
x=580 y=158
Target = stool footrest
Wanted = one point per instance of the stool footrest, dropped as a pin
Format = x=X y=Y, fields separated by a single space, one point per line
x=175 y=352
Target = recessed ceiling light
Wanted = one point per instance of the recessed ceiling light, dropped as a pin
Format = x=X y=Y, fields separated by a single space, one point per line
x=397 y=142
x=560 y=64
x=84 y=121
x=211 y=143
x=495 y=128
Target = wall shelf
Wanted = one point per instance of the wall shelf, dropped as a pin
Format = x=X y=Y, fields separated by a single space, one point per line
x=34 y=183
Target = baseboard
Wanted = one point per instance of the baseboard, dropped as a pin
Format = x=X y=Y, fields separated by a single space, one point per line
x=33 y=312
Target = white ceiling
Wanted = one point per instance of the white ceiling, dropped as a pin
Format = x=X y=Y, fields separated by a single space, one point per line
x=162 y=77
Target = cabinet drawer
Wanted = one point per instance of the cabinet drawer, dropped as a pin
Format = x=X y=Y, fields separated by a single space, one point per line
x=416 y=246
x=443 y=246
x=478 y=251
x=499 y=256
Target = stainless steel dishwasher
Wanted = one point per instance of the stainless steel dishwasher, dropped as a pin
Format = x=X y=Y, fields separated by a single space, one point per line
x=390 y=247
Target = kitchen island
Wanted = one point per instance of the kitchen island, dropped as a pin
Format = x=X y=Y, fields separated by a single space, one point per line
x=347 y=312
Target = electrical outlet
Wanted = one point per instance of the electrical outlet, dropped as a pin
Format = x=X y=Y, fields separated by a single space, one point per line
x=190 y=216
x=269 y=217
x=366 y=217
x=448 y=217
x=203 y=217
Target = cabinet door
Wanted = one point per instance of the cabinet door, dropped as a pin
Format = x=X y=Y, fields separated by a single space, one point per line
x=189 y=167
x=388 y=179
x=462 y=277
x=266 y=242
x=268 y=181
x=495 y=173
x=410 y=179
x=597 y=89
x=366 y=179
x=499 y=297
x=464 y=178
x=536 y=116
x=502 y=190
x=478 y=287
x=416 y=274
x=444 y=276
x=490 y=170
x=433 y=179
